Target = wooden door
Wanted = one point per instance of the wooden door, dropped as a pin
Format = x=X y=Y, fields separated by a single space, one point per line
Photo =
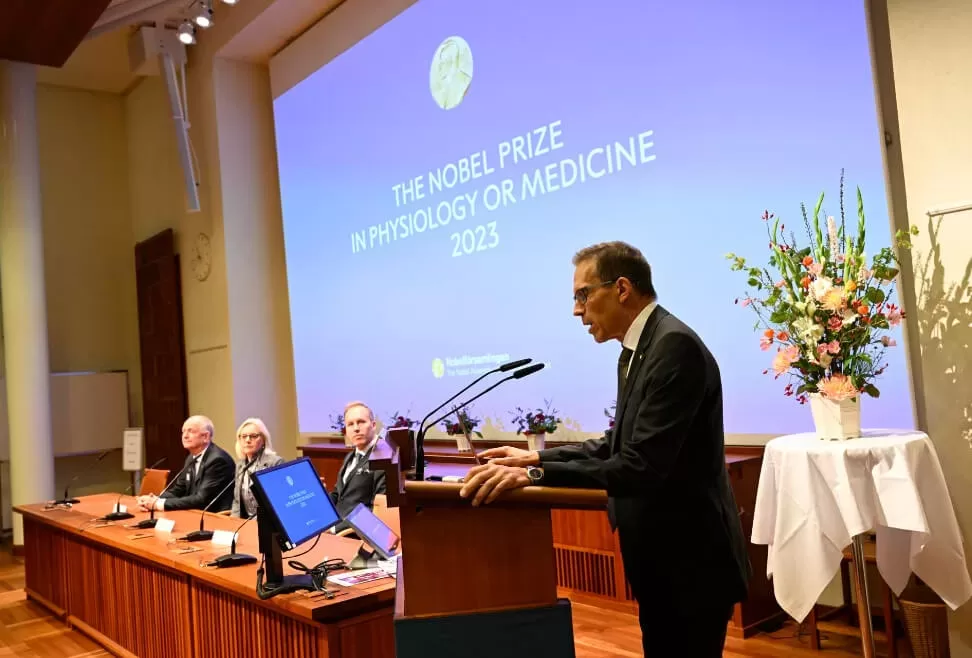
x=162 y=349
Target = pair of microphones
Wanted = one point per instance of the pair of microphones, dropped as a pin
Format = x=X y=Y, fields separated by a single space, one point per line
x=423 y=426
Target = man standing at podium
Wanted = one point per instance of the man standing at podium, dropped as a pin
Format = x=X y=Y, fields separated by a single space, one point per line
x=662 y=464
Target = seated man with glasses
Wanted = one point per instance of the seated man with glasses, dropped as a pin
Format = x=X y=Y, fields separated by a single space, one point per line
x=254 y=450
x=208 y=470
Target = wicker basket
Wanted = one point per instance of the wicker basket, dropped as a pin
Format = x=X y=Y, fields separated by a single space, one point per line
x=925 y=621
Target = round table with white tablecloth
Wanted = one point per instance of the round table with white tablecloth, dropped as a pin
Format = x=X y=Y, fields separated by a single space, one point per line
x=817 y=497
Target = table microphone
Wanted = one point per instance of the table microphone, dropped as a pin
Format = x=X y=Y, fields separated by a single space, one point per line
x=151 y=520
x=117 y=515
x=422 y=427
x=202 y=534
x=519 y=374
x=72 y=501
x=234 y=559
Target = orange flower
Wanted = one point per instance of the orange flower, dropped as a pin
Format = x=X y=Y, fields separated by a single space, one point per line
x=850 y=286
x=837 y=387
x=783 y=336
x=807 y=261
x=769 y=333
x=863 y=309
x=805 y=282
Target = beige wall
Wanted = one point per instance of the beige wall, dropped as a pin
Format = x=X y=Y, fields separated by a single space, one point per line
x=931 y=102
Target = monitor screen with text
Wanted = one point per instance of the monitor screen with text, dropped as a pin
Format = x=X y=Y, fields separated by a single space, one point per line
x=297 y=498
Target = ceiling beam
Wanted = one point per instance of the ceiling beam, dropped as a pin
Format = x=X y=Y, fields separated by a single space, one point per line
x=45 y=32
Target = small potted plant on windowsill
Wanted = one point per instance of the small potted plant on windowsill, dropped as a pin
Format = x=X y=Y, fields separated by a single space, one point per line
x=609 y=413
x=462 y=428
x=536 y=424
x=337 y=424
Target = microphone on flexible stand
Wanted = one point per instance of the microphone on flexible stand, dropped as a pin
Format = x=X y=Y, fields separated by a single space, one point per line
x=151 y=520
x=202 y=534
x=519 y=374
x=234 y=559
x=116 y=514
x=422 y=427
x=71 y=501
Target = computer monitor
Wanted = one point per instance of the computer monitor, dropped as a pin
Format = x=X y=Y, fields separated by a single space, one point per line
x=296 y=501
x=373 y=530
x=292 y=507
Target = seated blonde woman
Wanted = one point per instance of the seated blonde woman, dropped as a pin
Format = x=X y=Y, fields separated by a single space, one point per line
x=255 y=452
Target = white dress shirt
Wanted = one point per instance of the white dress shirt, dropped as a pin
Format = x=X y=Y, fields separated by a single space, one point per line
x=160 y=502
x=633 y=335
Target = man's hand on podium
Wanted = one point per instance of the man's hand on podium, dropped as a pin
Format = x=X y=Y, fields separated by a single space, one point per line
x=490 y=480
x=509 y=456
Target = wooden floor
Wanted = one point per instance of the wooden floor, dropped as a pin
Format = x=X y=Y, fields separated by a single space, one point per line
x=604 y=633
x=26 y=629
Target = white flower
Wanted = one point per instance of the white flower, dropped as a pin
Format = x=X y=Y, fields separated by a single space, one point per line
x=821 y=287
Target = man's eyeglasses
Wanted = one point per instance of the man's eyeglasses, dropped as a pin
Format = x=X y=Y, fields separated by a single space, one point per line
x=581 y=294
x=250 y=437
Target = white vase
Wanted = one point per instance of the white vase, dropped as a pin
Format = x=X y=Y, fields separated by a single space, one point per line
x=836 y=420
x=463 y=443
x=535 y=441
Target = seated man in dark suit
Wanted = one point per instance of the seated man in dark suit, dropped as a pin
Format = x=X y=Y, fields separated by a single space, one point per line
x=356 y=482
x=208 y=470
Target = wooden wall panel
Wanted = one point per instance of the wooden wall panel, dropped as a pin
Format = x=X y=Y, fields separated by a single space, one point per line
x=143 y=609
x=239 y=628
x=45 y=570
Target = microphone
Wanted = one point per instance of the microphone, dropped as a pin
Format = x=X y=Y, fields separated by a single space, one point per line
x=202 y=534
x=151 y=520
x=422 y=427
x=519 y=374
x=116 y=514
x=71 y=501
x=234 y=559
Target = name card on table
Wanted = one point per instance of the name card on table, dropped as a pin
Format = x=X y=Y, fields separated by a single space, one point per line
x=164 y=525
x=222 y=538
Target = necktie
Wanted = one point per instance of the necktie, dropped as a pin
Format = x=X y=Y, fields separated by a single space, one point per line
x=623 y=361
x=192 y=472
x=353 y=466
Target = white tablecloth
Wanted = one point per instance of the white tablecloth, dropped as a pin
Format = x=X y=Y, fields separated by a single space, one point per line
x=814 y=496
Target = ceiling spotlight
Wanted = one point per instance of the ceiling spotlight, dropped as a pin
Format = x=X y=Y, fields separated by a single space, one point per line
x=204 y=17
x=187 y=33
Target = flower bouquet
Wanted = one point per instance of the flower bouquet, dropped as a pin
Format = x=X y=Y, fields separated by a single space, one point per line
x=536 y=424
x=462 y=428
x=827 y=311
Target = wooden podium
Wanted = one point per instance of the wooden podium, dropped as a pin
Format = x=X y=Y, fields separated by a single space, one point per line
x=478 y=581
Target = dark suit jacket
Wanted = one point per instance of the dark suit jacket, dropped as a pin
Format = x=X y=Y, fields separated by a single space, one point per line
x=361 y=487
x=215 y=472
x=663 y=466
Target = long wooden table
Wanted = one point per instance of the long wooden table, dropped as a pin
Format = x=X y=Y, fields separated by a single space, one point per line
x=587 y=552
x=140 y=597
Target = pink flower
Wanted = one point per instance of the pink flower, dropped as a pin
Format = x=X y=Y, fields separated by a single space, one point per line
x=784 y=359
x=816 y=269
x=887 y=341
x=833 y=347
x=765 y=342
x=894 y=316
x=834 y=323
x=746 y=302
x=780 y=284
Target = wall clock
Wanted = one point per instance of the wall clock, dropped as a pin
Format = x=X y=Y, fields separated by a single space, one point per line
x=202 y=257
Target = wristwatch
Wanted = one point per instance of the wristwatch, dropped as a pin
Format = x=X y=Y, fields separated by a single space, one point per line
x=535 y=474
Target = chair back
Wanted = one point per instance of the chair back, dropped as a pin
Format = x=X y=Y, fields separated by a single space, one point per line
x=153 y=481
